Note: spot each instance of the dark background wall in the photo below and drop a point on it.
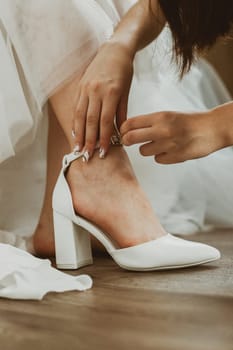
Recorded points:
(221, 56)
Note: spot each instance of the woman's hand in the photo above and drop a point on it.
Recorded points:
(103, 91)
(173, 137)
(102, 95)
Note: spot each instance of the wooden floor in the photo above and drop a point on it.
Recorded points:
(188, 309)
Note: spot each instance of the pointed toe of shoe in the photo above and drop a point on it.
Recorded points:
(208, 253)
(167, 252)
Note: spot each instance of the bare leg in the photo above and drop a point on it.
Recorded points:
(43, 239)
(57, 147)
(106, 191)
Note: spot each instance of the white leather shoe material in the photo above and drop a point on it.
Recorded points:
(73, 248)
(165, 252)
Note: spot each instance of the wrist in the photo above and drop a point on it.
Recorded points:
(223, 116)
(113, 45)
(139, 27)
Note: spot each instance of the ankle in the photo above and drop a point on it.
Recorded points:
(43, 239)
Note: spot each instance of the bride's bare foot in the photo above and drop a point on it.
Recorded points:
(107, 193)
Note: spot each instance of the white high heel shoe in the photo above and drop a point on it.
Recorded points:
(73, 247)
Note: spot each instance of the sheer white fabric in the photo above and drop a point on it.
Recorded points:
(42, 45)
(35, 28)
(22, 276)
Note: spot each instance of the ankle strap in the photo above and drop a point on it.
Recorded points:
(69, 158)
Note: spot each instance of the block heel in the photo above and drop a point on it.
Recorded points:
(73, 244)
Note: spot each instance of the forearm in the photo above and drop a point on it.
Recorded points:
(223, 115)
(139, 27)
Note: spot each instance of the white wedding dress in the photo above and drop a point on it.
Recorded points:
(42, 45)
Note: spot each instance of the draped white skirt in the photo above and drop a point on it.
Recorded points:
(45, 43)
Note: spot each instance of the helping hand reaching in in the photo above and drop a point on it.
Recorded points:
(173, 137)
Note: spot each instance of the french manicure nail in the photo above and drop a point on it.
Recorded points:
(102, 153)
(77, 149)
(86, 157)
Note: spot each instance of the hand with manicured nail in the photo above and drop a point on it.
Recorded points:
(102, 92)
(173, 137)
(102, 95)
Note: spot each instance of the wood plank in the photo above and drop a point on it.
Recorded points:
(185, 310)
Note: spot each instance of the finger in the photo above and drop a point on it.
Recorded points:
(138, 136)
(156, 148)
(143, 121)
(121, 114)
(107, 124)
(170, 158)
(79, 122)
(92, 124)
(75, 106)
(180, 155)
